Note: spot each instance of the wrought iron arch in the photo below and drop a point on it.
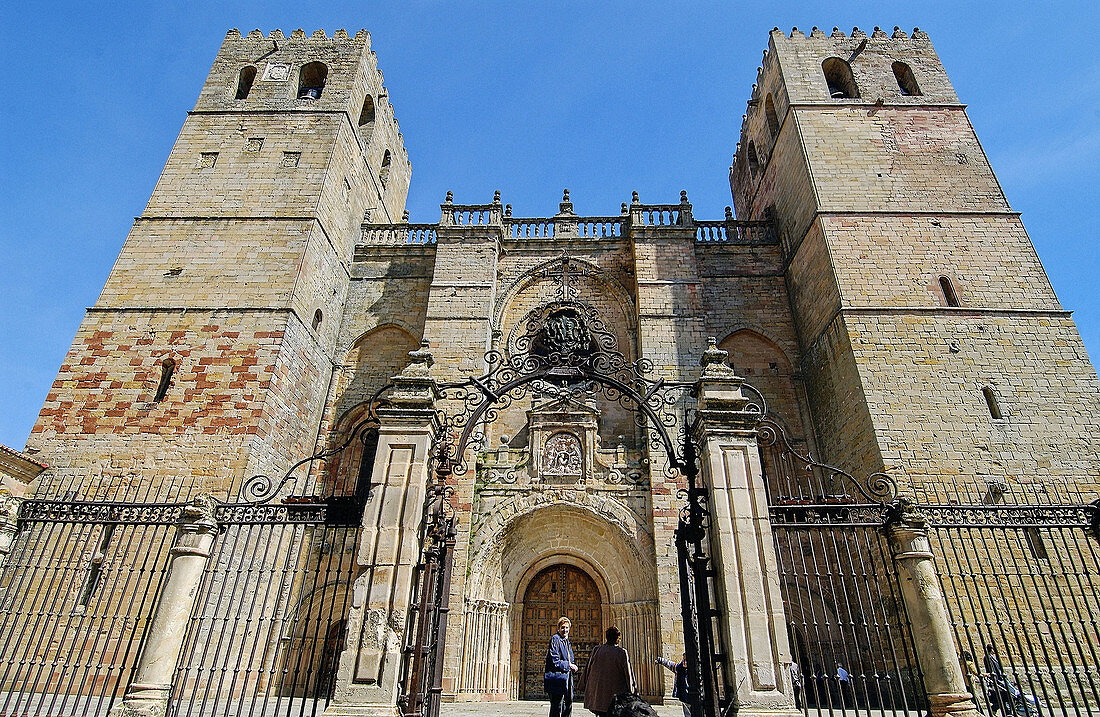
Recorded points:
(563, 349)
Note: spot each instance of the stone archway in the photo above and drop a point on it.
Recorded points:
(514, 540)
(559, 590)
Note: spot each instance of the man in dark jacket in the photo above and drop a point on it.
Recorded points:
(558, 680)
(607, 674)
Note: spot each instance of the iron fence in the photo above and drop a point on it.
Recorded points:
(269, 625)
(80, 585)
(1022, 585)
(851, 641)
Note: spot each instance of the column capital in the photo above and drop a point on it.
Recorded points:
(415, 388)
(907, 528)
(722, 402)
(195, 524)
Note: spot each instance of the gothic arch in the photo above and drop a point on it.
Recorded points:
(393, 323)
(370, 362)
(758, 333)
(765, 365)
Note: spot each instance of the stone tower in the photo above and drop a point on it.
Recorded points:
(932, 343)
(209, 354)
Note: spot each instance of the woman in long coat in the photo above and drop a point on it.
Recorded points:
(607, 674)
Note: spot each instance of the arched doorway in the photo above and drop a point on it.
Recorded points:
(556, 591)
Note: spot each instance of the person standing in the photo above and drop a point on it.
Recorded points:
(796, 683)
(680, 689)
(972, 677)
(558, 680)
(607, 674)
(844, 686)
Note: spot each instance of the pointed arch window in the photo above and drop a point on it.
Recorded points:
(907, 83)
(244, 82)
(838, 76)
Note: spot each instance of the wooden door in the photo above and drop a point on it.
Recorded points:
(560, 590)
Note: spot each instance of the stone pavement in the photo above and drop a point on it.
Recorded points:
(533, 708)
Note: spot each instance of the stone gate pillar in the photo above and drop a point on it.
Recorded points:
(924, 604)
(148, 693)
(9, 523)
(743, 551)
(369, 670)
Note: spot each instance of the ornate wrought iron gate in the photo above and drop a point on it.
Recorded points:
(1023, 587)
(851, 642)
(426, 632)
(81, 584)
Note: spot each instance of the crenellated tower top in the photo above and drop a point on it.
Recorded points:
(337, 73)
(836, 69)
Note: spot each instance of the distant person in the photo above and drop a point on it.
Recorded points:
(607, 674)
(680, 688)
(993, 662)
(971, 675)
(558, 680)
(844, 684)
(796, 684)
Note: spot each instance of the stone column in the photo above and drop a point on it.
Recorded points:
(9, 522)
(742, 547)
(369, 672)
(151, 688)
(930, 626)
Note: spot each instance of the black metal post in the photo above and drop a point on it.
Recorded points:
(695, 573)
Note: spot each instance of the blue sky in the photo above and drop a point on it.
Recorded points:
(602, 98)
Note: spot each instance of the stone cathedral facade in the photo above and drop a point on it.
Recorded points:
(871, 281)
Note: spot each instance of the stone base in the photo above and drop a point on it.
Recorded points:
(140, 708)
(952, 705)
(365, 710)
(769, 712)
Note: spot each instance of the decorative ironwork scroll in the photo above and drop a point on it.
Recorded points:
(564, 350)
(422, 669)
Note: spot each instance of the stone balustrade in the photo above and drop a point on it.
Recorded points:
(727, 231)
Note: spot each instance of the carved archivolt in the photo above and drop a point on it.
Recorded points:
(581, 272)
(579, 514)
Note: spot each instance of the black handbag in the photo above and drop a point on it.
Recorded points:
(630, 704)
(555, 683)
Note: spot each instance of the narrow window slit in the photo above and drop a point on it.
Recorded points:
(167, 368)
(95, 568)
(991, 403)
(949, 295)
